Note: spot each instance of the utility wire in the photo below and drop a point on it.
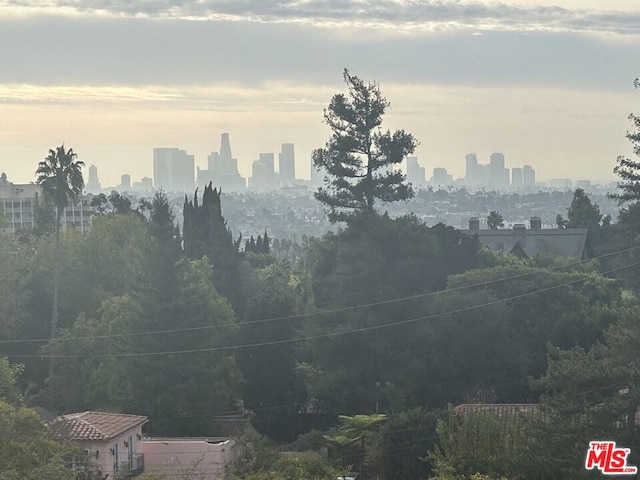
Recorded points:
(331, 334)
(327, 311)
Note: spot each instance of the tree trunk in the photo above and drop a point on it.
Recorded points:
(56, 282)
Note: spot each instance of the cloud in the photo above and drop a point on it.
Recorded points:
(59, 51)
(396, 15)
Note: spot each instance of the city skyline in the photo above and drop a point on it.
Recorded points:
(223, 173)
(548, 83)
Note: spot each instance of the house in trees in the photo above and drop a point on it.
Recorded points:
(111, 442)
(113, 445)
(174, 458)
(527, 242)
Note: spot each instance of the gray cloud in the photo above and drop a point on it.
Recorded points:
(407, 14)
(99, 51)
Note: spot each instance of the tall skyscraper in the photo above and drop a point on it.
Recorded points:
(415, 173)
(287, 165)
(441, 177)
(516, 177)
(528, 176)
(263, 176)
(499, 175)
(125, 182)
(225, 148)
(222, 169)
(472, 175)
(93, 184)
(173, 170)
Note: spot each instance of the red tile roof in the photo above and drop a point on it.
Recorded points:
(96, 426)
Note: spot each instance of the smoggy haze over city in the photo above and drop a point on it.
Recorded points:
(548, 83)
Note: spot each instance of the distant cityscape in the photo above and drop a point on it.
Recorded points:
(283, 203)
(174, 170)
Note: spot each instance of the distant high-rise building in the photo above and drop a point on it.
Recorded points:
(498, 174)
(125, 182)
(441, 177)
(528, 176)
(472, 175)
(287, 165)
(415, 173)
(222, 169)
(173, 170)
(263, 175)
(145, 184)
(516, 177)
(93, 184)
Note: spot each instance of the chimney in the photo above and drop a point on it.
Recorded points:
(474, 224)
(536, 223)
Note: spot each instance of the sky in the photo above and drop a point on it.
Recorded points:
(549, 83)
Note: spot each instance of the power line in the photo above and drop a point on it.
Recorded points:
(322, 312)
(331, 334)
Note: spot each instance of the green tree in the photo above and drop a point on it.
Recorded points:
(359, 158)
(565, 307)
(561, 222)
(120, 204)
(627, 169)
(162, 226)
(205, 232)
(25, 451)
(590, 393)
(479, 445)
(269, 370)
(381, 259)
(407, 434)
(60, 177)
(582, 213)
(363, 430)
(260, 461)
(100, 204)
(495, 220)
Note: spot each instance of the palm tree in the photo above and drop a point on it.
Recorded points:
(60, 176)
(355, 429)
(495, 220)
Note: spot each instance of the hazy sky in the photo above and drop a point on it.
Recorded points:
(549, 83)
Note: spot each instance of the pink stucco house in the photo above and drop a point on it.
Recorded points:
(174, 458)
(110, 441)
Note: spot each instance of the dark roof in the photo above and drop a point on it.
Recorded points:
(233, 426)
(505, 412)
(93, 426)
(44, 415)
(566, 242)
